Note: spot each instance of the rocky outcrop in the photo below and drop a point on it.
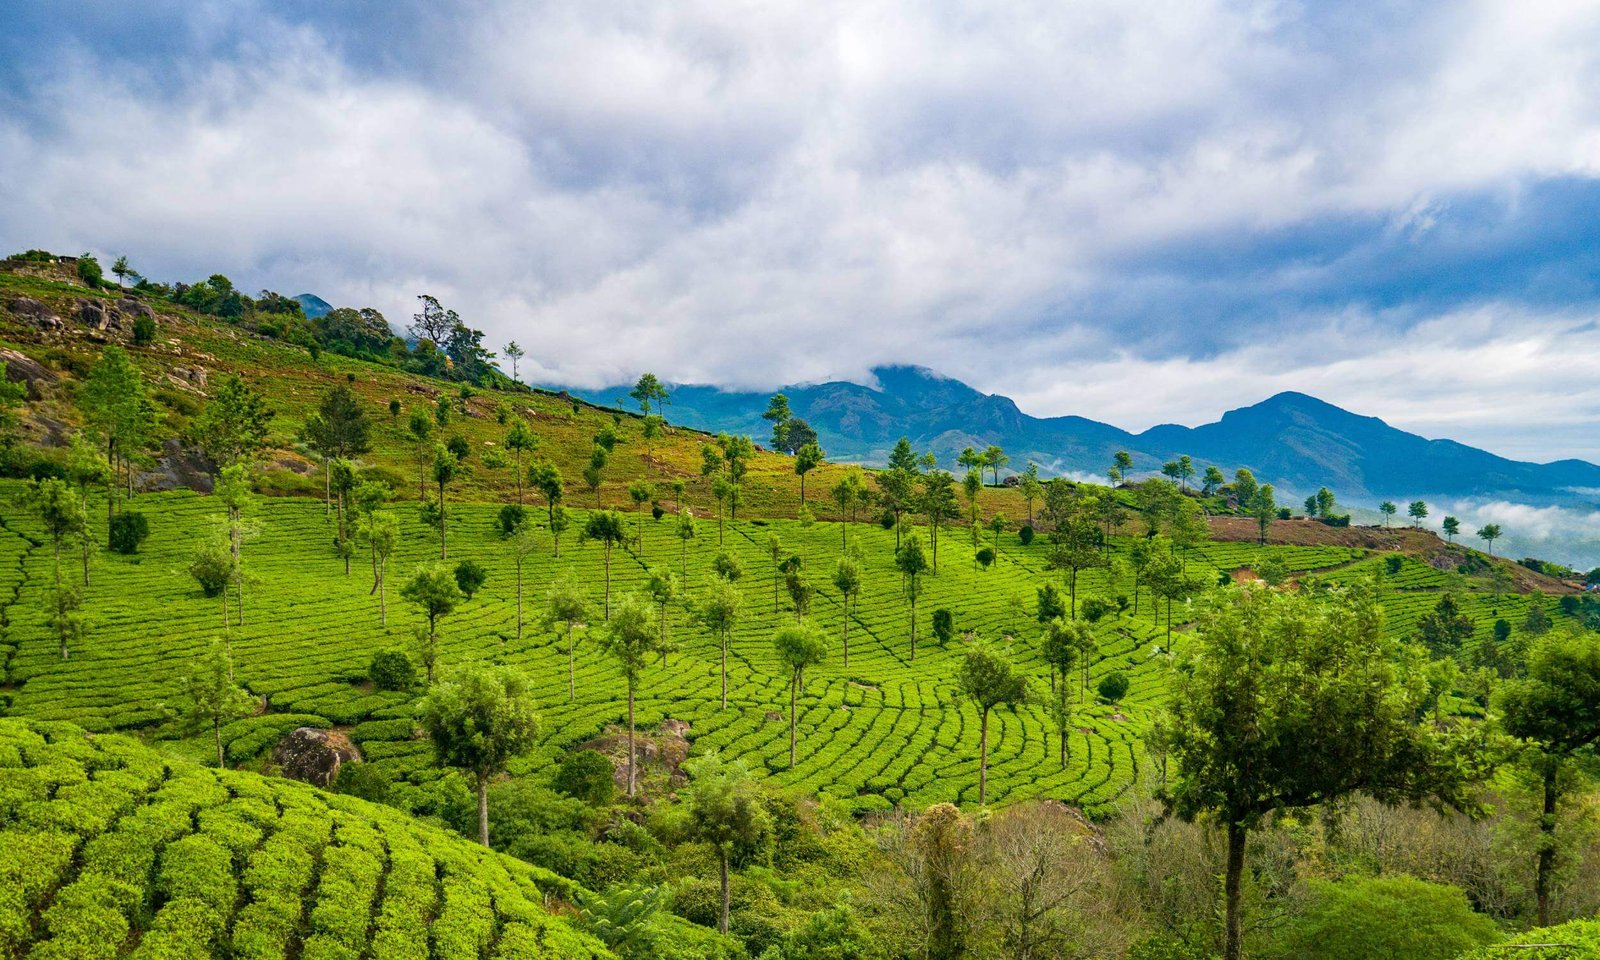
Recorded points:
(21, 368)
(314, 756)
(33, 312)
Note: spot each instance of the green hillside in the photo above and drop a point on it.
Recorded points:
(121, 840)
(110, 849)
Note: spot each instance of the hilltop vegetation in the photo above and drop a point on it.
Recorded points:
(914, 715)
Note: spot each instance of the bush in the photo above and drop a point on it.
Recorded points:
(1096, 609)
(1025, 534)
(470, 575)
(511, 517)
(1392, 564)
(363, 780)
(944, 626)
(985, 557)
(1113, 686)
(588, 776)
(89, 272)
(212, 568)
(656, 512)
(886, 520)
(1396, 917)
(1284, 513)
(144, 330)
(47, 470)
(392, 669)
(128, 531)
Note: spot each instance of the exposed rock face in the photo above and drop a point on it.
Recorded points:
(661, 752)
(23, 369)
(314, 756)
(93, 314)
(34, 312)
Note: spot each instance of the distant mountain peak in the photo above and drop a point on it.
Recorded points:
(313, 305)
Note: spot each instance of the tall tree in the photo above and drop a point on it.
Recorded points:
(118, 410)
(1555, 712)
(1064, 643)
(606, 527)
(522, 544)
(912, 561)
(213, 699)
(1212, 479)
(726, 811)
(514, 352)
(60, 510)
(845, 495)
(445, 467)
(778, 414)
(520, 440)
(544, 477)
(478, 721)
(630, 638)
(567, 604)
(686, 530)
(341, 428)
(806, 459)
(1074, 535)
(1418, 512)
(434, 590)
(1285, 701)
(421, 429)
(989, 680)
(1031, 488)
(847, 580)
(1263, 507)
(798, 647)
(233, 426)
(663, 588)
(640, 492)
(994, 458)
(234, 489)
(1452, 527)
(1489, 533)
(718, 612)
(1387, 508)
(381, 530)
(649, 391)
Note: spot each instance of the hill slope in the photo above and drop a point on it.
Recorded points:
(1295, 441)
(108, 849)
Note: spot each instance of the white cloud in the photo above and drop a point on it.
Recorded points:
(762, 194)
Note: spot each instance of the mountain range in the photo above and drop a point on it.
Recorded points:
(1295, 441)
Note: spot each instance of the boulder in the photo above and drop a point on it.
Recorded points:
(35, 313)
(23, 369)
(93, 314)
(314, 756)
(130, 308)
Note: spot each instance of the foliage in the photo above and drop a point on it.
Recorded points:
(392, 669)
(588, 776)
(1113, 686)
(128, 530)
(1396, 917)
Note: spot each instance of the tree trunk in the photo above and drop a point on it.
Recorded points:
(1547, 844)
(216, 731)
(794, 682)
(1233, 937)
(633, 756)
(722, 919)
(608, 580)
(85, 548)
(913, 625)
(724, 669)
(519, 598)
(1066, 722)
(845, 639)
(572, 667)
(443, 555)
(983, 759)
(483, 808)
(383, 602)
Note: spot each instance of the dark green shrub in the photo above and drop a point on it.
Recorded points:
(1096, 609)
(128, 531)
(1113, 686)
(1025, 534)
(392, 670)
(47, 470)
(470, 575)
(985, 557)
(511, 517)
(144, 330)
(394, 407)
(887, 520)
(1284, 513)
(1392, 564)
(89, 272)
(1051, 603)
(944, 625)
(588, 776)
(362, 780)
(656, 511)
(458, 447)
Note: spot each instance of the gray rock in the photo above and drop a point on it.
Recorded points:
(34, 312)
(314, 756)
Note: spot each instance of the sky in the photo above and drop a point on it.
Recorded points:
(1140, 213)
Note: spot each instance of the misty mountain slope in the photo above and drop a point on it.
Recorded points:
(1293, 440)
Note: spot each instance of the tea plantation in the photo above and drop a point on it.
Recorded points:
(882, 730)
(109, 849)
